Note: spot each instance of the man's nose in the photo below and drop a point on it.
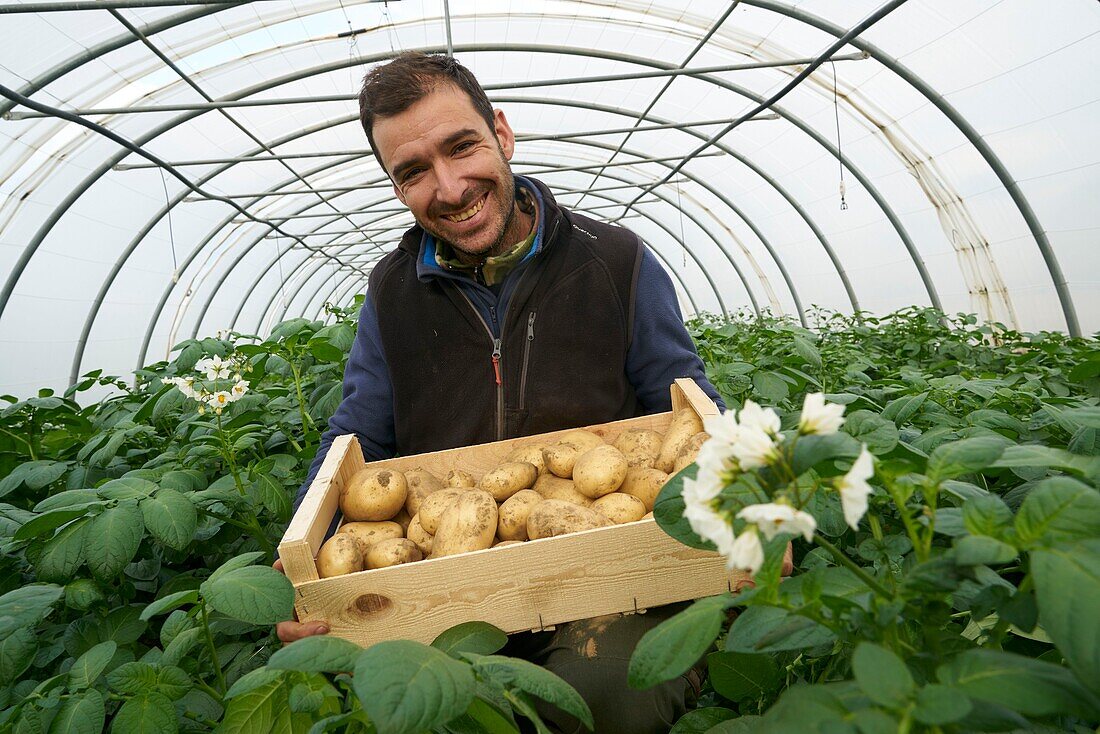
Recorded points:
(450, 185)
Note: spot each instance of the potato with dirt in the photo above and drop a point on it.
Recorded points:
(340, 554)
(459, 478)
(644, 483)
(369, 533)
(373, 495)
(552, 487)
(685, 424)
(509, 478)
(432, 508)
(640, 446)
(690, 451)
(512, 516)
(532, 454)
(421, 484)
(619, 508)
(599, 471)
(393, 552)
(469, 524)
(417, 534)
(551, 518)
(561, 456)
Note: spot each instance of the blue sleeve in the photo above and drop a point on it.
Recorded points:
(661, 349)
(367, 406)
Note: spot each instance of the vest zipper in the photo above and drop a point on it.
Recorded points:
(526, 358)
(496, 364)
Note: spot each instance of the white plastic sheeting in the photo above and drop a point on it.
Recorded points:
(108, 268)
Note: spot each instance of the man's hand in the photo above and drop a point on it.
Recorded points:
(292, 630)
(788, 560)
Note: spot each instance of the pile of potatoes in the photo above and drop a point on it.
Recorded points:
(579, 482)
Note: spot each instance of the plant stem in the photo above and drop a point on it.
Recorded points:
(205, 687)
(213, 650)
(843, 559)
(307, 422)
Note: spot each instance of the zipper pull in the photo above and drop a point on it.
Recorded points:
(531, 327)
(496, 359)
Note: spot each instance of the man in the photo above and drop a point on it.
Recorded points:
(502, 314)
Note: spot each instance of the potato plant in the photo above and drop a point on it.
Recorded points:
(136, 592)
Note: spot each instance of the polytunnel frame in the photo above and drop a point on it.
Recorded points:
(1019, 199)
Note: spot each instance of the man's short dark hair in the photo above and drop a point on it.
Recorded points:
(392, 88)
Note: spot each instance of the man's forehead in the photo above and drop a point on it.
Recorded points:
(438, 118)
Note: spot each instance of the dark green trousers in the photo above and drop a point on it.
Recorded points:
(592, 655)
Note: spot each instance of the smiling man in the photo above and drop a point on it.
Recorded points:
(503, 314)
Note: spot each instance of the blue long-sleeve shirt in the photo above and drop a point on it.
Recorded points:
(660, 351)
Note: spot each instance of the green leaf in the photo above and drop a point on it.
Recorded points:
(244, 559)
(48, 521)
(1047, 457)
(949, 460)
(676, 644)
(902, 409)
(770, 387)
(261, 710)
(181, 645)
(987, 515)
(1059, 509)
(34, 474)
(981, 550)
(803, 348)
(880, 435)
(809, 451)
(535, 680)
(882, 675)
(771, 629)
(317, 654)
(112, 540)
(80, 714)
(170, 602)
(1019, 683)
(700, 721)
(170, 517)
(406, 687)
(1067, 585)
(26, 605)
(139, 679)
(16, 654)
(740, 676)
(938, 705)
(272, 495)
(151, 713)
(127, 488)
(63, 554)
(256, 594)
(254, 679)
(476, 637)
(668, 510)
(69, 499)
(89, 666)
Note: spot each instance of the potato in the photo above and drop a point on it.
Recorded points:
(509, 478)
(685, 424)
(432, 509)
(469, 524)
(640, 446)
(459, 478)
(373, 495)
(369, 533)
(340, 554)
(648, 516)
(532, 454)
(644, 483)
(561, 456)
(421, 483)
(417, 534)
(403, 519)
(599, 471)
(551, 518)
(619, 508)
(392, 552)
(555, 488)
(507, 542)
(690, 451)
(512, 516)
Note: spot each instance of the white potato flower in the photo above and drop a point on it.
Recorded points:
(708, 524)
(240, 388)
(722, 428)
(774, 518)
(754, 448)
(219, 400)
(214, 368)
(701, 489)
(819, 417)
(763, 419)
(746, 552)
(854, 489)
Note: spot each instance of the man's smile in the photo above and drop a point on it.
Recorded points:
(464, 215)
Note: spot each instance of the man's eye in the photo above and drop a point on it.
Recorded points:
(411, 174)
(461, 147)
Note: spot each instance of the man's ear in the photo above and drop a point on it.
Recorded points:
(505, 136)
(399, 195)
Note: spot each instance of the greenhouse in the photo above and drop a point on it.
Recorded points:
(725, 366)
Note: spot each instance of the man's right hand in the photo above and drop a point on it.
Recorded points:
(292, 630)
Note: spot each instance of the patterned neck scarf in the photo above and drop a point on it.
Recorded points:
(494, 269)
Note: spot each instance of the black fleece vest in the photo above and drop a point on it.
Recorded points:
(563, 348)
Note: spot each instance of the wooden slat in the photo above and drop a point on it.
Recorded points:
(298, 561)
(687, 393)
(519, 587)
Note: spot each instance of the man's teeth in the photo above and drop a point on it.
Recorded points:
(463, 216)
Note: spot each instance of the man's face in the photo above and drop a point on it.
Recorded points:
(452, 171)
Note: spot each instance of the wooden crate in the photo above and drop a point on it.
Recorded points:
(528, 586)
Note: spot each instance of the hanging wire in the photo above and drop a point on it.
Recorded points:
(171, 233)
(680, 209)
(839, 150)
(282, 278)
